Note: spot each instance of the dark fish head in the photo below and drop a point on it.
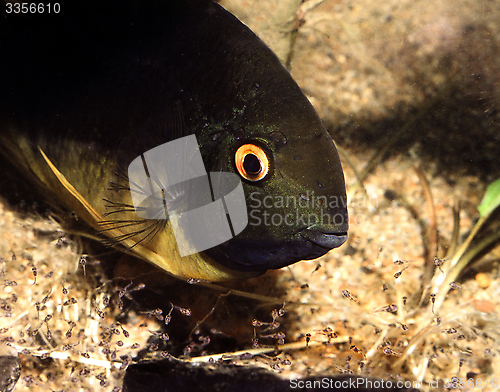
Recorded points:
(292, 180)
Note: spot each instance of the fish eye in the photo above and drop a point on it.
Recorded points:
(252, 162)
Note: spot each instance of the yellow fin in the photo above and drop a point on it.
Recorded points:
(197, 267)
(71, 189)
(93, 217)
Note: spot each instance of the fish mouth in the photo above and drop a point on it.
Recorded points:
(327, 238)
(258, 256)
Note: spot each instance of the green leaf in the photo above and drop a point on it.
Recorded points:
(491, 199)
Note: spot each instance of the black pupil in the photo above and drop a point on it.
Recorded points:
(251, 164)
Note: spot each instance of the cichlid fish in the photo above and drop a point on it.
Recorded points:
(86, 90)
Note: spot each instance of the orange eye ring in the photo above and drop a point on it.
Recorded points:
(252, 162)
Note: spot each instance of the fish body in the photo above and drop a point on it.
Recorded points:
(86, 91)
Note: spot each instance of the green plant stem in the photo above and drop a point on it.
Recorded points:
(462, 248)
(456, 231)
(455, 271)
(438, 281)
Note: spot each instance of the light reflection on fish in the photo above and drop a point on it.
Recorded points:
(86, 91)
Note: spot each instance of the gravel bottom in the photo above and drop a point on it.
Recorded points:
(416, 83)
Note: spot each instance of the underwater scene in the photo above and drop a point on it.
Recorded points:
(250, 195)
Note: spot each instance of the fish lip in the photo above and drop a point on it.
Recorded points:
(327, 238)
